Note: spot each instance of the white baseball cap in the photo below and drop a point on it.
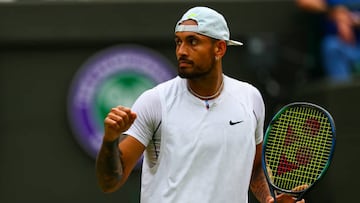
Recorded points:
(209, 23)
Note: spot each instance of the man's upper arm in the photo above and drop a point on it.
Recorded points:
(131, 151)
(258, 156)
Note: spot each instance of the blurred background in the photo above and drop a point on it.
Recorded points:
(43, 45)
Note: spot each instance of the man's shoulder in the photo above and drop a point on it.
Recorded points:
(239, 84)
(170, 82)
(171, 88)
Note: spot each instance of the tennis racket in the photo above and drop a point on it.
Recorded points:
(298, 147)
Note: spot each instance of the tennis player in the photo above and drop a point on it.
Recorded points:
(201, 132)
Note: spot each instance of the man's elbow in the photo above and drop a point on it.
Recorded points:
(110, 184)
(109, 188)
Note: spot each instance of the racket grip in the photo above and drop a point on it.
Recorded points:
(273, 194)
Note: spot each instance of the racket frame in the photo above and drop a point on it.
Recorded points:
(298, 194)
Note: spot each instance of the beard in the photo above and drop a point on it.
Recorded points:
(196, 72)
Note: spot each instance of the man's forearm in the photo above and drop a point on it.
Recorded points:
(109, 169)
(259, 186)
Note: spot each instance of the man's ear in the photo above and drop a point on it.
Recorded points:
(220, 48)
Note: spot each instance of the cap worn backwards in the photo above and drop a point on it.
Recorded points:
(209, 23)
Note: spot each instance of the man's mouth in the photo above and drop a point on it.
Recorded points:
(184, 62)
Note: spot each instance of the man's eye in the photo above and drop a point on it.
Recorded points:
(193, 41)
(177, 42)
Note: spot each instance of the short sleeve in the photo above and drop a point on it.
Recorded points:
(148, 110)
(259, 112)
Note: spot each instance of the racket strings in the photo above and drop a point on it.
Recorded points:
(298, 147)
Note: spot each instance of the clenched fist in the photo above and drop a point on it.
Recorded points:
(118, 120)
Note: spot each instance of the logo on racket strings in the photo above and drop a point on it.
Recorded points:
(303, 153)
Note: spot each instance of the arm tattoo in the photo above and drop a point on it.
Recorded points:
(259, 186)
(109, 166)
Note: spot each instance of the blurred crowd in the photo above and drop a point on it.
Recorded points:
(340, 36)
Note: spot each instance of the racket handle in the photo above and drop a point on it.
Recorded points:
(300, 197)
(273, 194)
(275, 201)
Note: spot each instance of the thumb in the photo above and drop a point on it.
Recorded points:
(133, 116)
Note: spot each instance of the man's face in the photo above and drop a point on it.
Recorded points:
(195, 53)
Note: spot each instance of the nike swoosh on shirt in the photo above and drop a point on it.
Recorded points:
(234, 123)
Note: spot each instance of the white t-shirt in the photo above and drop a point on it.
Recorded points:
(196, 154)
